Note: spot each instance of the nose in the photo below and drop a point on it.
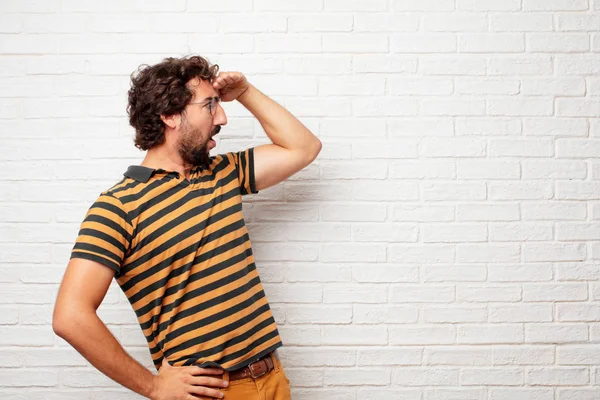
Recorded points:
(220, 117)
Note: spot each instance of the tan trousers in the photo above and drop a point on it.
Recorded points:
(272, 386)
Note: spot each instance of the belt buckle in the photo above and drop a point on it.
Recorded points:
(252, 371)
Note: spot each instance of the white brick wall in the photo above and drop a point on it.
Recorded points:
(445, 245)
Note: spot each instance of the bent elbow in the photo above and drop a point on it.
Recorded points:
(315, 149)
(61, 321)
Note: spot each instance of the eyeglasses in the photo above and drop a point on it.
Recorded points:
(212, 104)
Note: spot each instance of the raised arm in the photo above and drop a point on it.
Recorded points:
(294, 146)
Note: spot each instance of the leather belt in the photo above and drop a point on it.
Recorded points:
(255, 369)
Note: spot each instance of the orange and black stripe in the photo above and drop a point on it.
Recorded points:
(182, 256)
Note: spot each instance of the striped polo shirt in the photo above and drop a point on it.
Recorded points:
(182, 256)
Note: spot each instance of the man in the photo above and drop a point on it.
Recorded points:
(172, 234)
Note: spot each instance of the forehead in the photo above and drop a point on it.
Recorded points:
(201, 88)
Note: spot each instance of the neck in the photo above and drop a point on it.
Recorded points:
(157, 158)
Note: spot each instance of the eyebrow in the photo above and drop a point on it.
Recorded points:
(213, 97)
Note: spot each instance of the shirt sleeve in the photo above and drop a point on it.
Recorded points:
(105, 233)
(244, 164)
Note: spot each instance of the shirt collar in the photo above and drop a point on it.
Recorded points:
(140, 173)
(143, 174)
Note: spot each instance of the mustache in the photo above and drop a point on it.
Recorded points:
(216, 130)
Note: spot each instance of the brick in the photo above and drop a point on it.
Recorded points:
(491, 376)
(318, 314)
(299, 272)
(455, 22)
(357, 376)
(353, 127)
(523, 22)
(453, 191)
(578, 190)
(354, 43)
(433, 233)
(388, 150)
(377, 314)
(406, 376)
(273, 5)
(488, 5)
(419, 253)
(354, 335)
(555, 5)
(577, 231)
(491, 43)
(457, 65)
(529, 190)
(512, 107)
(557, 43)
(419, 86)
(484, 334)
(556, 210)
(577, 65)
(577, 354)
(423, 5)
(533, 169)
(577, 107)
(385, 22)
(301, 357)
(384, 273)
(494, 293)
(389, 356)
(454, 314)
(349, 86)
(551, 333)
(356, 5)
(555, 127)
(460, 273)
(356, 293)
(561, 376)
(487, 86)
(577, 271)
(380, 106)
(521, 394)
(384, 63)
(521, 148)
(383, 233)
(520, 65)
(423, 334)
(520, 273)
(576, 22)
(422, 43)
(553, 87)
(457, 355)
(285, 43)
(577, 312)
(420, 294)
(356, 212)
(487, 252)
(578, 148)
(422, 170)
(523, 355)
(452, 107)
(486, 212)
(509, 232)
(579, 394)
(553, 251)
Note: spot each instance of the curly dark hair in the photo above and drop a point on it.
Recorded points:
(161, 89)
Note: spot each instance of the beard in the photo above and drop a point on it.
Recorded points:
(193, 147)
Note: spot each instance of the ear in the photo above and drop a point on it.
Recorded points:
(171, 121)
